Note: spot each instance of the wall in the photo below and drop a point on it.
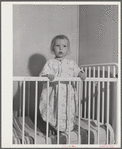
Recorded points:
(98, 34)
(98, 42)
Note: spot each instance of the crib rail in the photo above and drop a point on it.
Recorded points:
(107, 70)
(23, 80)
(89, 80)
(101, 64)
(64, 79)
(103, 74)
(98, 83)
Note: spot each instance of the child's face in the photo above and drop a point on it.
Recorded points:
(61, 48)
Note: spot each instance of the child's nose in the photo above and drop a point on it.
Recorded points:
(61, 47)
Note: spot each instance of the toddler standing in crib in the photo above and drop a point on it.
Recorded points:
(60, 66)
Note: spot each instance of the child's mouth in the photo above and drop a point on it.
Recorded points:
(60, 52)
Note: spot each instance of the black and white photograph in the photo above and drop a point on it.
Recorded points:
(61, 70)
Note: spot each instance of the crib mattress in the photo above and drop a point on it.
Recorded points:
(63, 137)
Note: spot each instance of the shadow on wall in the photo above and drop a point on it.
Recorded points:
(35, 65)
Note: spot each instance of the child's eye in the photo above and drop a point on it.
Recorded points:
(64, 45)
(57, 45)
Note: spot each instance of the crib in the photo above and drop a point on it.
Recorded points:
(93, 118)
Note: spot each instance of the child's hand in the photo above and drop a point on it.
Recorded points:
(82, 75)
(50, 77)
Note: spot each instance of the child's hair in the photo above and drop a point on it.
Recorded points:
(58, 37)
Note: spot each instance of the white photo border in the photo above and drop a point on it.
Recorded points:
(7, 73)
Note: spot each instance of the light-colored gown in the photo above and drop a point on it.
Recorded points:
(65, 68)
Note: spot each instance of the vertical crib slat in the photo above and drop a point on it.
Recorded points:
(90, 84)
(103, 93)
(108, 96)
(58, 111)
(89, 72)
(20, 105)
(93, 115)
(85, 94)
(28, 97)
(114, 71)
(80, 95)
(23, 115)
(98, 111)
(89, 105)
(36, 94)
(69, 112)
(98, 71)
(98, 105)
(81, 98)
(47, 126)
(79, 112)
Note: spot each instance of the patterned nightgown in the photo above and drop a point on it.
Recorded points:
(65, 68)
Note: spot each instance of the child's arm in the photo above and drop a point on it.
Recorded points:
(82, 75)
(49, 76)
(46, 72)
(78, 72)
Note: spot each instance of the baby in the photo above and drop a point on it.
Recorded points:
(60, 66)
